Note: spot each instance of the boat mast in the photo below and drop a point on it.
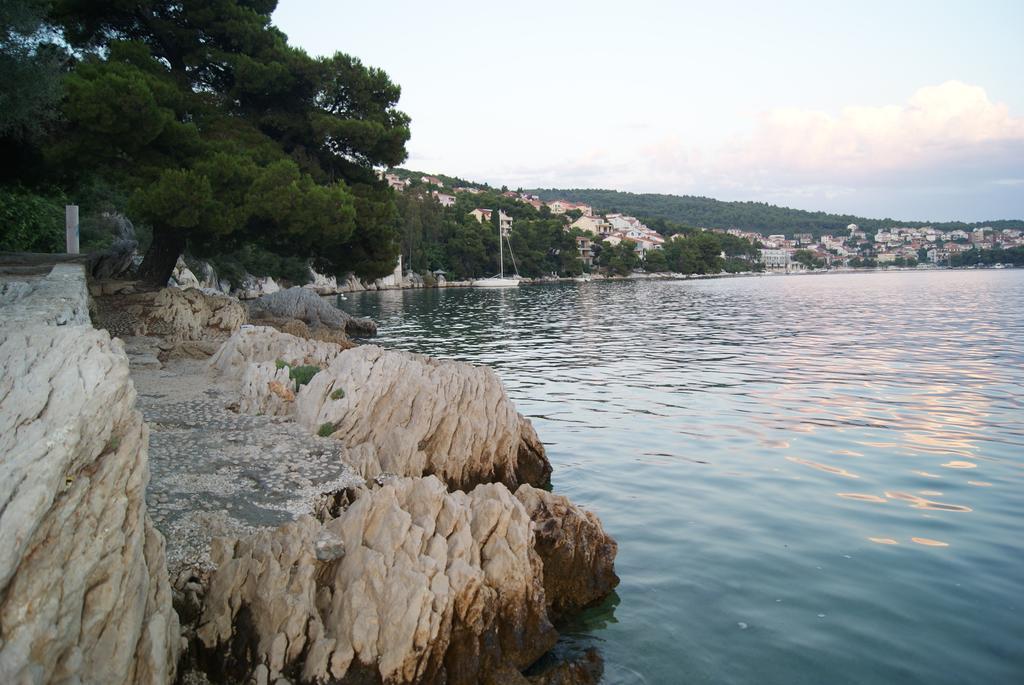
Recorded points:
(501, 250)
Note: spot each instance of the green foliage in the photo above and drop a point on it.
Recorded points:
(655, 261)
(30, 72)
(224, 137)
(337, 394)
(326, 430)
(259, 261)
(302, 375)
(689, 210)
(619, 260)
(975, 257)
(807, 258)
(280, 364)
(543, 247)
(31, 222)
(696, 253)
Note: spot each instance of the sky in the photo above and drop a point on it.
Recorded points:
(902, 109)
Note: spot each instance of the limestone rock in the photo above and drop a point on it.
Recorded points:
(172, 314)
(84, 595)
(423, 416)
(322, 284)
(255, 344)
(253, 287)
(194, 315)
(299, 329)
(58, 299)
(305, 305)
(267, 390)
(411, 584)
(115, 261)
(182, 276)
(579, 557)
(397, 412)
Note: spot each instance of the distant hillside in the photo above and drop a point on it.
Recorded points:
(750, 216)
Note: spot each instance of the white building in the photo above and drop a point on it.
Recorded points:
(444, 199)
(775, 260)
(595, 225)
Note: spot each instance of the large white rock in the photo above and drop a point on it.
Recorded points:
(424, 416)
(255, 286)
(397, 412)
(84, 594)
(177, 315)
(255, 344)
(411, 584)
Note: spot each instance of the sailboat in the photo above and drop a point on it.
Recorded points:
(500, 281)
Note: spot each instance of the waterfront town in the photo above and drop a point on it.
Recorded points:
(896, 246)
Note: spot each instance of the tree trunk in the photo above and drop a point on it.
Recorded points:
(161, 257)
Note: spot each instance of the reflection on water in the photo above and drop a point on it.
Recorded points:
(710, 425)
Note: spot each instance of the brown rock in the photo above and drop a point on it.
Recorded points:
(172, 314)
(579, 557)
(411, 584)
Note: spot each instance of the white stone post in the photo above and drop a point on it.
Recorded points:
(71, 228)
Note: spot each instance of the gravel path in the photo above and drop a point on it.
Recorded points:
(216, 472)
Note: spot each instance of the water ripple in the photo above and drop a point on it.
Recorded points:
(710, 425)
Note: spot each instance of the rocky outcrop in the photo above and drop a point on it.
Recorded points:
(172, 314)
(57, 298)
(321, 333)
(114, 262)
(411, 584)
(423, 416)
(578, 556)
(253, 287)
(84, 594)
(397, 412)
(322, 284)
(308, 307)
(255, 344)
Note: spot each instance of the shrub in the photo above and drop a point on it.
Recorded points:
(338, 394)
(326, 429)
(303, 374)
(280, 364)
(30, 222)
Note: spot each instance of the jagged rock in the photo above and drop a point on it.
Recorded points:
(58, 299)
(308, 307)
(421, 585)
(175, 315)
(182, 276)
(255, 344)
(300, 330)
(114, 262)
(397, 412)
(579, 557)
(253, 287)
(187, 349)
(84, 595)
(322, 284)
(423, 416)
(585, 668)
(267, 390)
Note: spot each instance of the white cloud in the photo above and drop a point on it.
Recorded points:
(939, 125)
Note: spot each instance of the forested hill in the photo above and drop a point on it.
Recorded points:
(751, 216)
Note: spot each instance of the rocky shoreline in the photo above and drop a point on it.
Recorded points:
(332, 513)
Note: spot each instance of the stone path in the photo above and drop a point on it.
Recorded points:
(216, 472)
